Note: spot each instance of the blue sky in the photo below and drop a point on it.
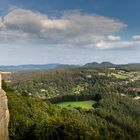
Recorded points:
(69, 31)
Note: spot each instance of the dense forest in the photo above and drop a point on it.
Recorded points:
(79, 81)
(112, 117)
(115, 115)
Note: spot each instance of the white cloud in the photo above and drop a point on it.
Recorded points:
(1, 23)
(103, 44)
(136, 37)
(131, 43)
(114, 38)
(70, 28)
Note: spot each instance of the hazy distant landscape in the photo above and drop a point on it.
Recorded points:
(34, 67)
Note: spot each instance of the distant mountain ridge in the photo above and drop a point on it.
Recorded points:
(35, 67)
(131, 66)
(29, 67)
(100, 65)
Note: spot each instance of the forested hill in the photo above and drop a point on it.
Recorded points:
(113, 117)
(128, 67)
(100, 65)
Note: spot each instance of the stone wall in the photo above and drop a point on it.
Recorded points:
(4, 116)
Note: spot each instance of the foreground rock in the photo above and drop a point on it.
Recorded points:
(4, 116)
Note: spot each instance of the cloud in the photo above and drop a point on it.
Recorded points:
(71, 28)
(103, 44)
(136, 37)
(114, 38)
(31, 22)
(1, 23)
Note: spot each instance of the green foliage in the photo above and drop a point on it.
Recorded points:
(59, 83)
(113, 118)
(33, 119)
(5, 87)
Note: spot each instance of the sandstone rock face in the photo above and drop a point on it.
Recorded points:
(4, 116)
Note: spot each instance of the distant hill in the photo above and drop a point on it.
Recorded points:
(100, 65)
(132, 66)
(29, 67)
(34, 67)
(103, 65)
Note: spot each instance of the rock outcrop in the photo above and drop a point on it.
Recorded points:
(4, 116)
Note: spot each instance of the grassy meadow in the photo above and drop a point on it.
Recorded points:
(75, 104)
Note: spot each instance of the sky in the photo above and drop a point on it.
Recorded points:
(69, 31)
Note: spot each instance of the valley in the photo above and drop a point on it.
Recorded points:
(69, 69)
(75, 81)
(73, 103)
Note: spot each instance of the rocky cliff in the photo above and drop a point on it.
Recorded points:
(4, 116)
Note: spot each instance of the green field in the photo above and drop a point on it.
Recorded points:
(82, 104)
(121, 76)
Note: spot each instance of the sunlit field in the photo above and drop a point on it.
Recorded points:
(78, 104)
